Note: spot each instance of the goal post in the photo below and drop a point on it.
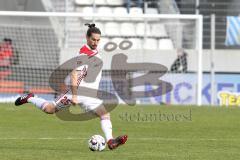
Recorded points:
(40, 46)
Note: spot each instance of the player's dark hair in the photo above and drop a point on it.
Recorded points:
(9, 40)
(92, 29)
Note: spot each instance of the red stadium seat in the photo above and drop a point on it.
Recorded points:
(4, 74)
(11, 87)
(41, 90)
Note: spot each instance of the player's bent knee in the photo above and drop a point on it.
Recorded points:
(105, 116)
(101, 111)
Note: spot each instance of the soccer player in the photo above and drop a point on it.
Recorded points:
(72, 96)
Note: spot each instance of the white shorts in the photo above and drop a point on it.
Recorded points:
(86, 103)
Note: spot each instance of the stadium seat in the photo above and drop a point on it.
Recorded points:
(105, 10)
(83, 2)
(137, 43)
(5, 74)
(127, 29)
(136, 11)
(101, 26)
(165, 44)
(115, 2)
(150, 43)
(87, 10)
(158, 30)
(11, 87)
(140, 29)
(112, 29)
(151, 11)
(100, 2)
(41, 90)
(120, 11)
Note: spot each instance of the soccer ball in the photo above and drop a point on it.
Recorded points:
(96, 143)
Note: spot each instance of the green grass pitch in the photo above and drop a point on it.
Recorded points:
(155, 132)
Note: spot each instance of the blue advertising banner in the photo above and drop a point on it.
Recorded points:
(185, 89)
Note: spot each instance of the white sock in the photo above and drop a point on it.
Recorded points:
(38, 102)
(106, 125)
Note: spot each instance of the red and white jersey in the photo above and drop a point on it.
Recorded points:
(90, 63)
(94, 64)
(88, 51)
(92, 58)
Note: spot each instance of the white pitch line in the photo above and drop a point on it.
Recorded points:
(145, 139)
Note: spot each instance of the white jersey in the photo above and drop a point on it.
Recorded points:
(84, 72)
(85, 69)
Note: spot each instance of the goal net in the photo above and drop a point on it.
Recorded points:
(168, 47)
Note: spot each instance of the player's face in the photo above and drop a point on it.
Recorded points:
(93, 40)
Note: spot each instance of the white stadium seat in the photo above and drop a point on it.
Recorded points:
(150, 43)
(105, 10)
(140, 29)
(158, 30)
(136, 11)
(120, 11)
(115, 2)
(165, 44)
(127, 29)
(84, 2)
(100, 2)
(87, 10)
(101, 27)
(151, 11)
(137, 43)
(112, 29)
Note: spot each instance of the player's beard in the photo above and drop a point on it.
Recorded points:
(94, 47)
